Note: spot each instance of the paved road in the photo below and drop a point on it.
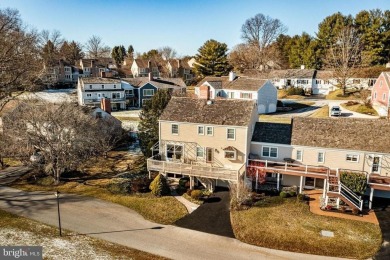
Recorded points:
(121, 225)
(347, 113)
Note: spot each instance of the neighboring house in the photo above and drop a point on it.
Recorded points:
(302, 78)
(380, 94)
(205, 139)
(232, 87)
(146, 87)
(95, 67)
(312, 152)
(142, 67)
(90, 91)
(180, 68)
(60, 73)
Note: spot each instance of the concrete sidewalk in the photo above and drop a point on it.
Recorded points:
(123, 226)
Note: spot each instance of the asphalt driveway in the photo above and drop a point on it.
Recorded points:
(211, 217)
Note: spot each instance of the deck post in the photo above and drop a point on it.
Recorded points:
(191, 182)
(324, 191)
(150, 175)
(266, 163)
(371, 198)
(301, 185)
(278, 182)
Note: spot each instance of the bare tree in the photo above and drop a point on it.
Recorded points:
(261, 31)
(19, 55)
(64, 135)
(167, 52)
(55, 37)
(343, 56)
(96, 48)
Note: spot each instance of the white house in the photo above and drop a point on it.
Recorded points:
(91, 90)
(232, 87)
(302, 78)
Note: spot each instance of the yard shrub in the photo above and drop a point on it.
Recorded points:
(184, 182)
(295, 91)
(196, 194)
(159, 186)
(355, 181)
(301, 197)
(119, 186)
(46, 181)
(292, 193)
(283, 194)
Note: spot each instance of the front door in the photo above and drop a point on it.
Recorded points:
(310, 183)
(375, 164)
(209, 154)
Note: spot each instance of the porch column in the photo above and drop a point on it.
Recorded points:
(324, 191)
(278, 182)
(301, 185)
(371, 198)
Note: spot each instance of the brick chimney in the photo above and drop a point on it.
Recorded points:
(105, 105)
(204, 92)
(102, 74)
(150, 65)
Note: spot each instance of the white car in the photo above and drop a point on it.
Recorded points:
(335, 111)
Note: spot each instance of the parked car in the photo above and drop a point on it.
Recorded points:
(335, 111)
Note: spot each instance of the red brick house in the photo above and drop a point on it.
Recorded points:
(381, 93)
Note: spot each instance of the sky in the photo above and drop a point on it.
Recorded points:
(183, 25)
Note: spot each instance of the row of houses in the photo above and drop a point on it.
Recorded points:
(220, 142)
(63, 73)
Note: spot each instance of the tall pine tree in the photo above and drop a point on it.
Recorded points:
(212, 59)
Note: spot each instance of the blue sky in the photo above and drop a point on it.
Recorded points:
(182, 24)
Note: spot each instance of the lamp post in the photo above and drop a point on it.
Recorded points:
(57, 194)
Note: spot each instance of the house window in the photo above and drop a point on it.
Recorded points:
(273, 175)
(210, 130)
(318, 81)
(246, 95)
(129, 92)
(148, 92)
(356, 81)
(175, 129)
(231, 94)
(352, 158)
(380, 83)
(89, 95)
(320, 157)
(116, 95)
(326, 81)
(231, 134)
(384, 97)
(114, 86)
(102, 86)
(231, 155)
(299, 155)
(270, 152)
(200, 130)
(90, 86)
(199, 152)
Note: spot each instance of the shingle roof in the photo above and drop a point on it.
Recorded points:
(143, 63)
(342, 133)
(222, 80)
(101, 62)
(272, 133)
(292, 74)
(157, 82)
(96, 80)
(220, 112)
(245, 83)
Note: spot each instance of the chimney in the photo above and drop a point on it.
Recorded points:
(105, 105)
(102, 74)
(204, 92)
(150, 76)
(178, 63)
(232, 75)
(302, 67)
(150, 65)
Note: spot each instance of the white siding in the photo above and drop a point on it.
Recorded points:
(267, 98)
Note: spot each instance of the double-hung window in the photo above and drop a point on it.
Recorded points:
(209, 130)
(148, 92)
(199, 152)
(270, 152)
(299, 155)
(231, 134)
(175, 129)
(321, 157)
(352, 158)
(200, 130)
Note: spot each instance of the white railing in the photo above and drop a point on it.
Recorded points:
(192, 170)
(351, 196)
(286, 167)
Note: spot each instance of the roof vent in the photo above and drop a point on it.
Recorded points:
(209, 102)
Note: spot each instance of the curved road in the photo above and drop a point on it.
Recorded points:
(123, 226)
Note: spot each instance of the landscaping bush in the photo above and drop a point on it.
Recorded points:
(292, 193)
(295, 91)
(188, 192)
(140, 184)
(301, 197)
(355, 181)
(159, 186)
(46, 181)
(196, 194)
(184, 182)
(119, 186)
(181, 190)
(284, 194)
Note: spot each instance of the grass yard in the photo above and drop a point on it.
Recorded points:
(163, 210)
(274, 119)
(15, 230)
(282, 94)
(322, 112)
(361, 108)
(289, 225)
(338, 95)
(128, 118)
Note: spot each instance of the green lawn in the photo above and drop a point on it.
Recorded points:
(16, 230)
(338, 95)
(291, 226)
(361, 108)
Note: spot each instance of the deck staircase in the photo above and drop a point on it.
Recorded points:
(337, 191)
(207, 183)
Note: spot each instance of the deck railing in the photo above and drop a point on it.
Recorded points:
(192, 169)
